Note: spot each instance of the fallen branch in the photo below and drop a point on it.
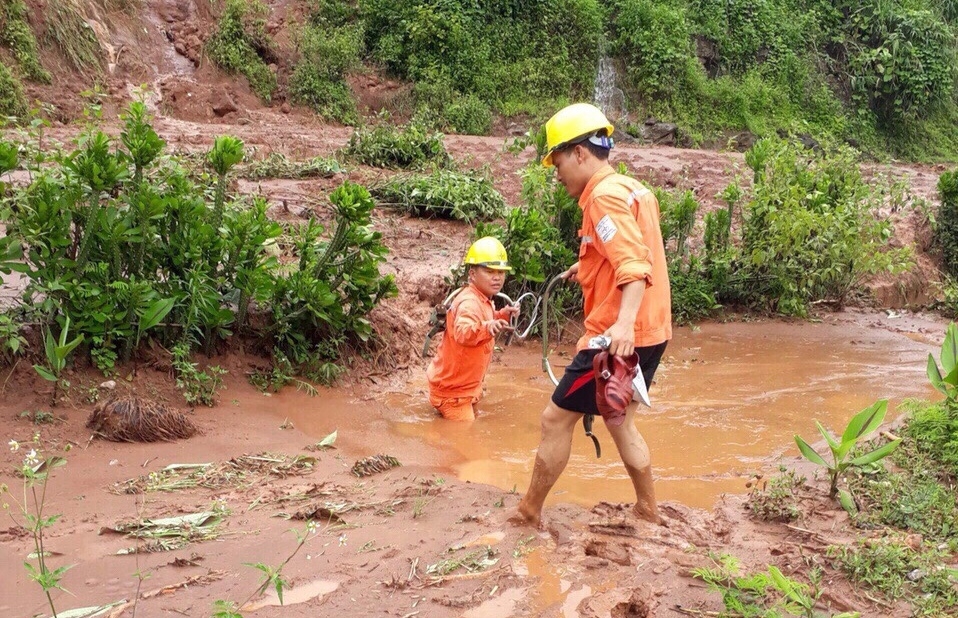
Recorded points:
(202, 580)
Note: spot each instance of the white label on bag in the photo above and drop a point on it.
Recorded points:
(606, 229)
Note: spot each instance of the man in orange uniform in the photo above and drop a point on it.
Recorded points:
(456, 373)
(625, 286)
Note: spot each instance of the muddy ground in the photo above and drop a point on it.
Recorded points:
(411, 540)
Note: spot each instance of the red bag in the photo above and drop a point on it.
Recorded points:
(613, 385)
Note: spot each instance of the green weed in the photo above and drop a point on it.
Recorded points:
(241, 44)
(916, 496)
(31, 507)
(768, 593)
(777, 499)
(198, 386)
(900, 571)
(67, 29)
(12, 100)
(860, 425)
(57, 351)
(447, 194)
(16, 35)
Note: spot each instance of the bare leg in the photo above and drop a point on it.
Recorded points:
(638, 463)
(555, 446)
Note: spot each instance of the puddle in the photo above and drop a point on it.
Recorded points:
(557, 587)
(292, 596)
(727, 399)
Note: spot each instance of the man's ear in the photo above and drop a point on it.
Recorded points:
(580, 153)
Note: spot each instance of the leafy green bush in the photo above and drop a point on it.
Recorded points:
(336, 283)
(327, 54)
(12, 100)
(386, 145)
(241, 44)
(904, 61)
(809, 231)
(441, 107)
(16, 35)
(121, 241)
(516, 57)
(946, 230)
(655, 39)
(444, 193)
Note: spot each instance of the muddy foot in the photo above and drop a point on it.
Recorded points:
(521, 518)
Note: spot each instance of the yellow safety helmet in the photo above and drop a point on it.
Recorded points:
(574, 124)
(488, 252)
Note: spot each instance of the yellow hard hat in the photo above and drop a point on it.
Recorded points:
(488, 252)
(573, 124)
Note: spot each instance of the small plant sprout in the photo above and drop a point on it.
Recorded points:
(859, 426)
(56, 356)
(272, 576)
(35, 472)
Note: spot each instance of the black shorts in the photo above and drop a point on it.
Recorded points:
(576, 389)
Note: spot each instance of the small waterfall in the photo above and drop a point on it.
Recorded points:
(607, 96)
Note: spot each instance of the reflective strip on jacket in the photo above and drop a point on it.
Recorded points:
(621, 242)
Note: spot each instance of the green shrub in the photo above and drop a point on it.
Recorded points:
(385, 145)
(905, 60)
(12, 100)
(327, 54)
(656, 41)
(241, 44)
(444, 193)
(809, 231)
(121, 241)
(946, 231)
(514, 57)
(441, 107)
(16, 35)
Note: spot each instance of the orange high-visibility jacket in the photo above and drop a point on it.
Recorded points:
(466, 347)
(621, 242)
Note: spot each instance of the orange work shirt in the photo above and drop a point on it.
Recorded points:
(621, 242)
(465, 350)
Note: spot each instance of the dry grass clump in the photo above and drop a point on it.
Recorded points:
(134, 419)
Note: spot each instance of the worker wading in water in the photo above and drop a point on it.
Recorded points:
(457, 371)
(625, 287)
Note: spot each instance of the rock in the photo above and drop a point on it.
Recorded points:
(109, 385)
(285, 108)
(660, 133)
(222, 103)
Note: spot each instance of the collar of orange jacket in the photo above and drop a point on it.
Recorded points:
(601, 174)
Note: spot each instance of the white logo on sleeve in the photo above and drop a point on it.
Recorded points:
(606, 229)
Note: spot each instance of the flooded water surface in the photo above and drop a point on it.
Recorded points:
(726, 401)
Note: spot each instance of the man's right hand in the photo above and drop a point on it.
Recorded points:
(572, 274)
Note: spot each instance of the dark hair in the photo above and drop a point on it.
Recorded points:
(602, 154)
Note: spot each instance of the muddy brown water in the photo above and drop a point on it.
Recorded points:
(726, 402)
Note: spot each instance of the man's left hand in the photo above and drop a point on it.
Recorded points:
(623, 339)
